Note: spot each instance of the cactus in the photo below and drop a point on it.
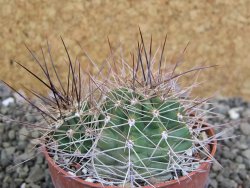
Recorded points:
(131, 126)
(74, 132)
(140, 135)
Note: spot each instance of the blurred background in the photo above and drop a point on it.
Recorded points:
(217, 32)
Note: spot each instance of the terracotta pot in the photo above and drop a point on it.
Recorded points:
(61, 179)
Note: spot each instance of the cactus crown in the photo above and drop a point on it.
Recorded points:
(132, 127)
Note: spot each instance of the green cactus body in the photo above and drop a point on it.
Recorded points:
(140, 135)
(73, 135)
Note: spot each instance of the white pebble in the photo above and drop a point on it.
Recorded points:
(204, 136)
(72, 173)
(66, 160)
(8, 101)
(189, 152)
(234, 113)
(84, 170)
(184, 173)
(55, 157)
(88, 179)
(23, 185)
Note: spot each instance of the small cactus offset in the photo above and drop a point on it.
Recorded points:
(131, 127)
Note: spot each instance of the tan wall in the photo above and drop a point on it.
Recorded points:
(218, 32)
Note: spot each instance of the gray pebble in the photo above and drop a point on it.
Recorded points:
(243, 175)
(36, 174)
(237, 180)
(246, 153)
(245, 128)
(1, 128)
(5, 185)
(246, 113)
(23, 133)
(1, 176)
(6, 144)
(32, 185)
(7, 179)
(4, 110)
(23, 157)
(221, 109)
(18, 181)
(4, 159)
(216, 167)
(47, 175)
(30, 118)
(239, 159)
(247, 163)
(228, 183)
(11, 134)
(35, 134)
(213, 183)
(246, 184)
(226, 172)
(228, 154)
(220, 178)
(241, 145)
(23, 172)
(21, 145)
(10, 151)
(39, 159)
(212, 175)
(241, 166)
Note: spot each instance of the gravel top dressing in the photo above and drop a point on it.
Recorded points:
(22, 166)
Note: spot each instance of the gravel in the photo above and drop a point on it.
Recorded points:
(16, 146)
(21, 166)
(233, 153)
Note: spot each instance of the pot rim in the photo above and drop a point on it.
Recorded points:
(203, 166)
